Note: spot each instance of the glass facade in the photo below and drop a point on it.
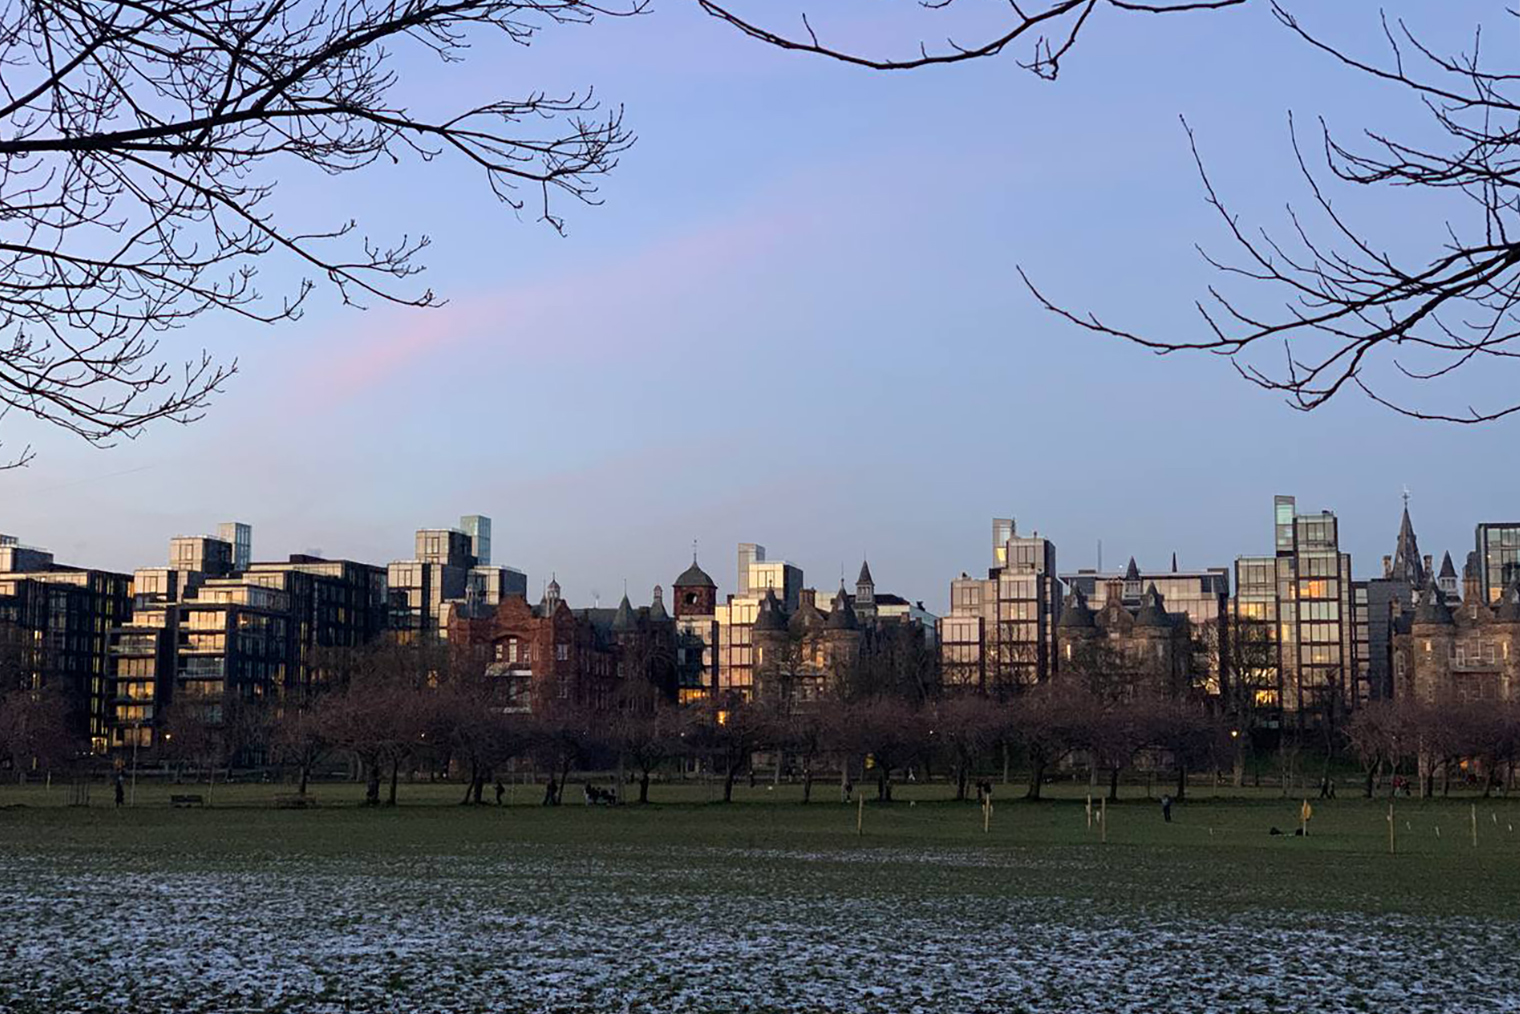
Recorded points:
(1498, 546)
(1305, 594)
(1000, 632)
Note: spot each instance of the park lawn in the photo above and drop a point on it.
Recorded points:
(762, 905)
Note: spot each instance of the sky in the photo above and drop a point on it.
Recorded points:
(796, 319)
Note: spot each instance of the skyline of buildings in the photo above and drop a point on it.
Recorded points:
(216, 624)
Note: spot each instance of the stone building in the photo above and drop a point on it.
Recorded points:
(1124, 650)
(811, 655)
(1465, 652)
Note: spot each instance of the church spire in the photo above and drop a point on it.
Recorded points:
(1406, 554)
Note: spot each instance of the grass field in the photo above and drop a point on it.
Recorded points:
(764, 905)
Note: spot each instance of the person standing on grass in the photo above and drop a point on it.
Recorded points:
(501, 790)
(121, 790)
(1166, 808)
(551, 793)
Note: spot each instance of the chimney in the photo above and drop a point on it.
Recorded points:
(809, 597)
(1430, 570)
(1387, 566)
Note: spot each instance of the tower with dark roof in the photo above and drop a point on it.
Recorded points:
(1406, 563)
(696, 593)
(1446, 580)
(865, 593)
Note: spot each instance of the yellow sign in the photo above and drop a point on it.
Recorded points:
(1305, 812)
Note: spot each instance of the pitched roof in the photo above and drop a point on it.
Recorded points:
(1152, 610)
(694, 577)
(1132, 572)
(657, 613)
(807, 617)
(624, 619)
(842, 616)
(1447, 570)
(1076, 612)
(1432, 607)
(770, 615)
(865, 574)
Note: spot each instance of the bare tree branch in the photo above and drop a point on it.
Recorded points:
(140, 145)
(1346, 304)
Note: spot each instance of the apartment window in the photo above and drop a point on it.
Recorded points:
(562, 653)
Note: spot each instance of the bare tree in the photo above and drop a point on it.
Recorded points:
(140, 145)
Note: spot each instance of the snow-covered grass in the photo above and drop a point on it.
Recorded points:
(756, 908)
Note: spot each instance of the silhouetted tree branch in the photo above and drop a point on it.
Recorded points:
(1050, 32)
(1347, 304)
(140, 145)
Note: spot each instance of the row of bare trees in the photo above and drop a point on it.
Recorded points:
(1475, 742)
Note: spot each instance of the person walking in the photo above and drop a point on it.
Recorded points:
(121, 790)
(501, 790)
(551, 793)
(1166, 808)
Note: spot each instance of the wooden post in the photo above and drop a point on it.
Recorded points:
(987, 815)
(1475, 825)
(1103, 819)
(860, 816)
(1391, 848)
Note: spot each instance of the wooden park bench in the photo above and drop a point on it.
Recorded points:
(293, 801)
(187, 800)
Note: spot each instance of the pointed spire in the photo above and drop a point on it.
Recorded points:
(1447, 570)
(1174, 561)
(1406, 554)
(657, 613)
(624, 619)
(865, 574)
(1132, 572)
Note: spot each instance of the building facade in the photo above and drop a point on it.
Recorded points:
(54, 631)
(999, 634)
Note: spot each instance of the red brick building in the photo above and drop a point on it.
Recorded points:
(551, 653)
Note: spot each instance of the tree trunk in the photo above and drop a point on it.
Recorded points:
(305, 777)
(1182, 774)
(728, 782)
(1446, 777)
(883, 784)
(1371, 778)
(1113, 784)
(619, 778)
(1036, 776)
(469, 787)
(395, 777)
(1006, 765)
(644, 787)
(807, 783)
(372, 782)
(962, 778)
(1238, 767)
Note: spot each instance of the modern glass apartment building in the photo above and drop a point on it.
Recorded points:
(1000, 632)
(1498, 548)
(1304, 594)
(54, 624)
